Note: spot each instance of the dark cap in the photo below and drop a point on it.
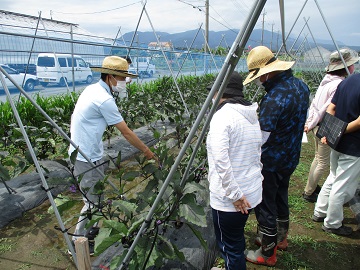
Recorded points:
(234, 87)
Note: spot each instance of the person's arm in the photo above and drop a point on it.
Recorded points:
(331, 109)
(353, 126)
(265, 136)
(134, 140)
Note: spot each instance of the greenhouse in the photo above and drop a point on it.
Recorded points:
(23, 37)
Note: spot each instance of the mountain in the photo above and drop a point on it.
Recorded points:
(225, 39)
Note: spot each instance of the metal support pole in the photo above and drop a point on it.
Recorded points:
(212, 57)
(337, 48)
(206, 37)
(188, 49)
(292, 27)
(137, 26)
(312, 36)
(293, 45)
(32, 47)
(319, 77)
(242, 39)
(219, 85)
(72, 58)
(117, 34)
(53, 49)
(167, 62)
(182, 64)
(36, 163)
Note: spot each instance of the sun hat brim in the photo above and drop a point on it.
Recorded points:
(276, 65)
(333, 67)
(121, 73)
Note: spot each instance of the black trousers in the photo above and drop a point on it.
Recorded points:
(229, 232)
(274, 203)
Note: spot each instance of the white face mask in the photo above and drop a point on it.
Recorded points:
(258, 82)
(214, 97)
(119, 87)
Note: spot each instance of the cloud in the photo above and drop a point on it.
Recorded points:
(175, 16)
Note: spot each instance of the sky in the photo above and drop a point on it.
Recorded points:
(105, 18)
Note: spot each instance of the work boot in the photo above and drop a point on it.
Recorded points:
(266, 254)
(258, 238)
(282, 233)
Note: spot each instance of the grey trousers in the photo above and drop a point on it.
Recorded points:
(339, 187)
(88, 180)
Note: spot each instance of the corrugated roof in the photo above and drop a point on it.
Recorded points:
(15, 23)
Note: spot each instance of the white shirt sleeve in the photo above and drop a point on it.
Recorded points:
(265, 136)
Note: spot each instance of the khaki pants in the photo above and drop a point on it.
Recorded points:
(319, 166)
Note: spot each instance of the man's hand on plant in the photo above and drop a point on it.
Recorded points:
(150, 155)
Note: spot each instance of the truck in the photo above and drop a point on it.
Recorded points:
(143, 66)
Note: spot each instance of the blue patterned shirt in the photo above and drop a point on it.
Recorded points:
(283, 113)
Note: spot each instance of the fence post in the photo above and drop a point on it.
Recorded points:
(82, 253)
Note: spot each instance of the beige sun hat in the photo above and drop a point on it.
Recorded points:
(261, 61)
(350, 57)
(114, 65)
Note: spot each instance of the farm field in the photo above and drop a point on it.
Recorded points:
(31, 242)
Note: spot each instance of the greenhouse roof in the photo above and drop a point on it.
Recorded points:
(21, 24)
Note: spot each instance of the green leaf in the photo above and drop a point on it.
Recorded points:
(149, 190)
(115, 225)
(28, 157)
(156, 134)
(99, 188)
(150, 168)
(62, 204)
(62, 162)
(166, 248)
(142, 250)
(199, 236)
(126, 207)
(192, 187)
(116, 261)
(104, 240)
(4, 173)
(191, 211)
(178, 253)
(9, 162)
(136, 224)
(73, 156)
(129, 176)
(118, 158)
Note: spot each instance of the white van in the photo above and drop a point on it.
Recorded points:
(56, 68)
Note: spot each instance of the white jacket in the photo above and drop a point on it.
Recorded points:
(234, 150)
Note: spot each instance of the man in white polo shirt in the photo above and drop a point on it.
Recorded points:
(94, 111)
